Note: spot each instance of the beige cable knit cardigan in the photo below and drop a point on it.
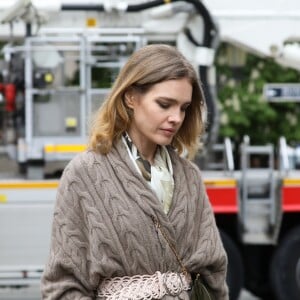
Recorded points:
(102, 227)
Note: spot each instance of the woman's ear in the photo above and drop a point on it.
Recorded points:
(129, 99)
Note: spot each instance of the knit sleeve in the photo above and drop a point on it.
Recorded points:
(214, 274)
(67, 272)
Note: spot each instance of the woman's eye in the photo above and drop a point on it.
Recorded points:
(164, 105)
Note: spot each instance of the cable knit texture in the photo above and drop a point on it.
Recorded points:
(102, 227)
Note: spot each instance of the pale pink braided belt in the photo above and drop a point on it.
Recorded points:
(140, 287)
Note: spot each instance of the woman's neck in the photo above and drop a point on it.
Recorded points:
(147, 150)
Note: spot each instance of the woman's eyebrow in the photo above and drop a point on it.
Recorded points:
(173, 100)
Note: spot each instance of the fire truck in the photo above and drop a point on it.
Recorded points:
(57, 68)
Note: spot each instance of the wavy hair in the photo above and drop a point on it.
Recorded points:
(146, 67)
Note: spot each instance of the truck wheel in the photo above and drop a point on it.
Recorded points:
(283, 267)
(298, 273)
(235, 271)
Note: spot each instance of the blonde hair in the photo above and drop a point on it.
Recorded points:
(146, 67)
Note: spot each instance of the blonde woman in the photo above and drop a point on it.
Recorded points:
(132, 219)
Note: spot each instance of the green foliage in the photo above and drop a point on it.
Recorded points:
(243, 109)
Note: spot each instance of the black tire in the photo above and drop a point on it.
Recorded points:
(283, 267)
(298, 273)
(235, 271)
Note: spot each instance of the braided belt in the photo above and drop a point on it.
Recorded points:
(142, 287)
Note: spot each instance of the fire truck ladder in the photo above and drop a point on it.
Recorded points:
(258, 206)
(220, 157)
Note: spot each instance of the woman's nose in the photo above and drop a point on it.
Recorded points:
(176, 116)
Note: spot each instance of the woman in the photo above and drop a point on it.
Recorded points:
(132, 219)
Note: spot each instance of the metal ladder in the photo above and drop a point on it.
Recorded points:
(259, 209)
(220, 157)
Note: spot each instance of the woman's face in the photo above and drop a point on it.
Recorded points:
(159, 113)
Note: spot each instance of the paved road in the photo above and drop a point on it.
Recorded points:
(32, 293)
